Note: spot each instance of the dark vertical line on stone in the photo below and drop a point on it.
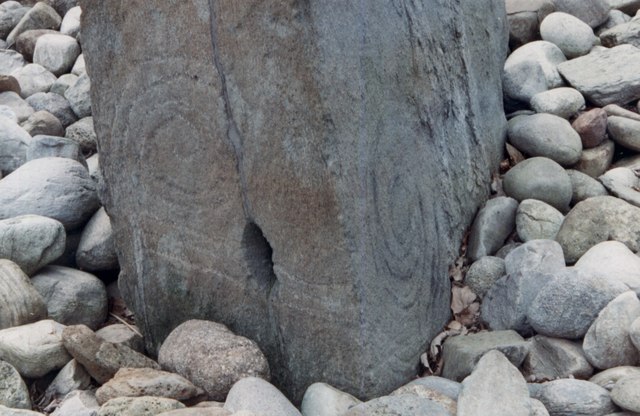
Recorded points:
(233, 133)
(363, 174)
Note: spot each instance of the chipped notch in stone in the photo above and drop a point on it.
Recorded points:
(259, 256)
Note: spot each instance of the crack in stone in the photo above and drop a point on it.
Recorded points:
(233, 133)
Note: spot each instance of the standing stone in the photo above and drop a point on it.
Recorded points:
(287, 207)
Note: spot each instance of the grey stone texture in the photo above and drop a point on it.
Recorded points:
(573, 36)
(626, 393)
(136, 382)
(567, 305)
(45, 123)
(34, 349)
(320, 399)
(592, 12)
(596, 160)
(13, 391)
(73, 297)
(53, 187)
(257, 395)
(605, 76)
(608, 378)
(553, 358)
(461, 353)
(491, 227)
(545, 135)
(31, 241)
(524, 18)
(212, 356)
(405, 404)
(138, 406)
(599, 219)
(300, 135)
(22, 304)
(97, 250)
(494, 388)
(607, 343)
(539, 178)
(574, 397)
(612, 261)
(483, 273)
(40, 16)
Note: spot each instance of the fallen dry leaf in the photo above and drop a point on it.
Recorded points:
(515, 156)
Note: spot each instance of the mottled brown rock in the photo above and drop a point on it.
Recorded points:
(101, 359)
(212, 357)
(310, 187)
(26, 41)
(524, 18)
(9, 83)
(592, 127)
(136, 382)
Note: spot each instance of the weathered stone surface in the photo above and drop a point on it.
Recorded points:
(9, 18)
(256, 395)
(626, 393)
(100, 358)
(122, 334)
(40, 16)
(567, 305)
(599, 219)
(34, 349)
(608, 378)
(623, 183)
(607, 344)
(78, 403)
(6, 411)
(136, 382)
(63, 83)
(524, 19)
(629, 7)
(563, 102)
(10, 61)
(462, 353)
(405, 404)
(72, 377)
(595, 161)
(53, 187)
(625, 33)
(21, 303)
(212, 356)
(573, 36)
(612, 261)
(26, 42)
(552, 358)
(71, 22)
(483, 273)
(43, 122)
(592, 12)
(545, 135)
(138, 406)
(83, 133)
(442, 385)
(536, 220)
(73, 297)
(14, 141)
(300, 135)
(55, 104)
(321, 399)
(31, 241)
(494, 388)
(605, 76)
(19, 106)
(79, 96)
(33, 78)
(532, 69)
(592, 127)
(13, 391)
(539, 178)
(624, 132)
(574, 397)
(428, 393)
(53, 146)
(491, 227)
(96, 250)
